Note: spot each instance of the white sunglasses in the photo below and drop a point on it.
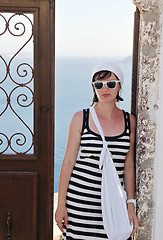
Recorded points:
(111, 84)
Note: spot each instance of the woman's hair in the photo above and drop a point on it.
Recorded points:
(101, 75)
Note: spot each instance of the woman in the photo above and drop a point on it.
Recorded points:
(79, 214)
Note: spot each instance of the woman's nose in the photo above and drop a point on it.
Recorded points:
(104, 87)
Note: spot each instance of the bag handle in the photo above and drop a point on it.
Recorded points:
(97, 123)
(105, 149)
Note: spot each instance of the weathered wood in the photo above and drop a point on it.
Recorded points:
(18, 173)
(135, 62)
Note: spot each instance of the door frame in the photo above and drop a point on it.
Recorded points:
(41, 163)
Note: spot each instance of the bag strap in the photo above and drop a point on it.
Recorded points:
(105, 147)
(97, 123)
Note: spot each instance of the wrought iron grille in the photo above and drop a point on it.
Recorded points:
(16, 83)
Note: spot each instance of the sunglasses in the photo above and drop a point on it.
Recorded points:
(111, 84)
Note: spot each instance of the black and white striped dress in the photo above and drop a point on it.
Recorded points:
(84, 191)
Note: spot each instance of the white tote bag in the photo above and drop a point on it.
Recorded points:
(113, 196)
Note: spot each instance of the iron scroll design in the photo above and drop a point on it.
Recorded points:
(22, 92)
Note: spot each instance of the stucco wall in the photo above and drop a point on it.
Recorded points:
(147, 111)
(158, 193)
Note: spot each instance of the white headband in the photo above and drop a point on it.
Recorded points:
(109, 66)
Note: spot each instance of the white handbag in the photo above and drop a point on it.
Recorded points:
(113, 196)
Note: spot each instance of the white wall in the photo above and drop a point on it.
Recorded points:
(158, 189)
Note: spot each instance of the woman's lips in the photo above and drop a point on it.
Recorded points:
(105, 94)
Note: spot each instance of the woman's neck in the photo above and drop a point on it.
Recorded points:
(106, 110)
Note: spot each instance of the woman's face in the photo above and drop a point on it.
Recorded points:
(105, 94)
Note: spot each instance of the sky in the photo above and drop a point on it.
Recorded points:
(94, 28)
(10, 44)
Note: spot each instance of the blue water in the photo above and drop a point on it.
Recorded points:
(73, 92)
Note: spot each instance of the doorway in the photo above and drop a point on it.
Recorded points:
(79, 47)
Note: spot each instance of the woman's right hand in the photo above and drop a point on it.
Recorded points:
(61, 218)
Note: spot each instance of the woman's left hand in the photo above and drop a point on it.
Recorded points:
(133, 218)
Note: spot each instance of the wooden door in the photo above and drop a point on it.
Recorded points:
(26, 119)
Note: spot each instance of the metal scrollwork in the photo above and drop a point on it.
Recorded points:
(22, 76)
(5, 25)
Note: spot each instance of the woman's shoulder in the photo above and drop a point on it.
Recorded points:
(79, 114)
(77, 120)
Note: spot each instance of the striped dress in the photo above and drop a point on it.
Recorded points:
(84, 192)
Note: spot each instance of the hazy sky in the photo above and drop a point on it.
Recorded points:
(94, 27)
(10, 44)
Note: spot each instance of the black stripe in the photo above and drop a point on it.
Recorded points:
(93, 234)
(84, 202)
(86, 179)
(119, 153)
(89, 156)
(119, 146)
(73, 215)
(90, 151)
(89, 195)
(88, 210)
(97, 174)
(76, 184)
(119, 168)
(120, 139)
(83, 225)
(90, 138)
(117, 160)
(108, 139)
(86, 144)
(86, 163)
(120, 176)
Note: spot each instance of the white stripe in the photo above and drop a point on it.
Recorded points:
(120, 157)
(89, 176)
(120, 172)
(91, 222)
(89, 160)
(75, 196)
(109, 143)
(92, 148)
(90, 230)
(89, 214)
(119, 150)
(85, 141)
(119, 143)
(84, 237)
(86, 183)
(84, 190)
(87, 155)
(85, 206)
(119, 164)
(92, 169)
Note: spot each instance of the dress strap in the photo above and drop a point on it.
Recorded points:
(85, 120)
(127, 119)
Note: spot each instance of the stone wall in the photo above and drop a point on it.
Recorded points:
(147, 110)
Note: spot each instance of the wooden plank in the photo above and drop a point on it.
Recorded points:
(135, 62)
(19, 198)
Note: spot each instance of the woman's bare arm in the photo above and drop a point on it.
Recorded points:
(129, 171)
(129, 176)
(71, 153)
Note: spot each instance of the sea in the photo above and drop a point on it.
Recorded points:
(73, 92)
